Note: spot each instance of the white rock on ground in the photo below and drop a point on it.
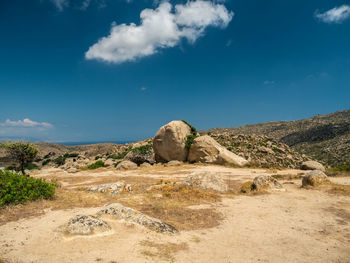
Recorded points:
(314, 178)
(173, 163)
(312, 165)
(169, 143)
(206, 181)
(266, 182)
(206, 150)
(128, 214)
(84, 225)
(113, 188)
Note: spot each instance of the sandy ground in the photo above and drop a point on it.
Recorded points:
(297, 225)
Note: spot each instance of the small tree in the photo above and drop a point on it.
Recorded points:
(21, 152)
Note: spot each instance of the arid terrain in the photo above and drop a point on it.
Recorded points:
(291, 225)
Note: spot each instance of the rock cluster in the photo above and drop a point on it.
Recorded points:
(128, 214)
(113, 188)
(206, 181)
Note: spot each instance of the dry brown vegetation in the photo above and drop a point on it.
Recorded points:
(170, 204)
(163, 251)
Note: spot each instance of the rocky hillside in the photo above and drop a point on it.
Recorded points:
(261, 151)
(323, 137)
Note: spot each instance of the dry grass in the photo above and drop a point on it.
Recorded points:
(170, 204)
(163, 251)
(288, 176)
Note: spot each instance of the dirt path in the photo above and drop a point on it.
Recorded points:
(297, 225)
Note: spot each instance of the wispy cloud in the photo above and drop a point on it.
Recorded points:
(269, 82)
(26, 123)
(163, 27)
(79, 4)
(335, 15)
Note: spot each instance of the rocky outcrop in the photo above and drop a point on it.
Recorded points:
(126, 165)
(206, 150)
(207, 181)
(113, 188)
(266, 182)
(312, 165)
(261, 151)
(128, 214)
(84, 225)
(139, 157)
(169, 142)
(314, 178)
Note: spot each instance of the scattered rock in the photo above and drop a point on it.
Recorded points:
(131, 215)
(206, 150)
(169, 143)
(140, 157)
(72, 170)
(312, 165)
(206, 181)
(266, 182)
(113, 188)
(84, 225)
(126, 165)
(314, 178)
(144, 165)
(173, 163)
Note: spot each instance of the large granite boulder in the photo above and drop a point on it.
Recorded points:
(314, 178)
(169, 143)
(207, 181)
(312, 165)
(206, 150)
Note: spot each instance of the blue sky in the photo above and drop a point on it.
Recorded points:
(212, 63)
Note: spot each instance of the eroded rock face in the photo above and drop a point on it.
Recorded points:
(169, 143)
(312, 165)
(314, 178)
(206, 150)
(84, 225)
(206, 181)
(128, 214)
(126, 165)
(113, 188)
(266, 182)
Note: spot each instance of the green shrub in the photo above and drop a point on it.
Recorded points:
(96, 165)
(32, 166)
(97, 157)
(60, 160)
(45, 162)
(16, 188)
(145, 149)
(190, 138)
(70, 155)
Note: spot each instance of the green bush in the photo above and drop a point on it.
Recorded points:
(32, 166)
(97, 157)
(16, 188)
(60, 160)
(145, 149)
(96, 165)
(190, 138)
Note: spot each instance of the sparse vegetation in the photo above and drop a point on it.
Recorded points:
(163, 251)
(16, 189)
(96, 165)
(60, 160)
(144, 149)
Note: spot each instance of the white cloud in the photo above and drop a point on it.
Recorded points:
(60, 4)
(334, 15)
(163, 27)
(26, 123)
